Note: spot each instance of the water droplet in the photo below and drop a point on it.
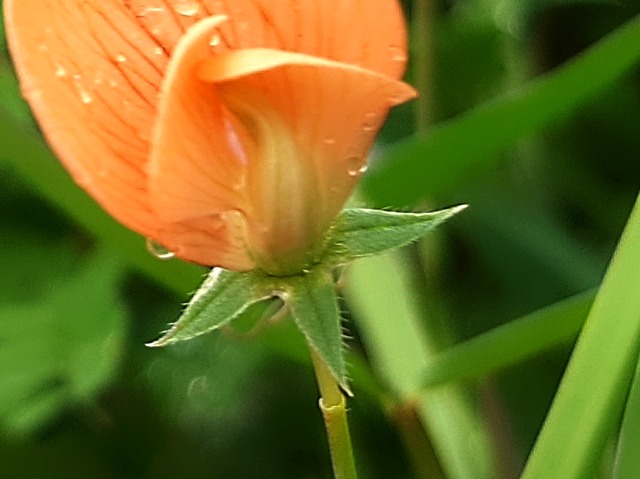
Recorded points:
(85, 96)
(330, 140)
(61, 71)
(101, 77)
(159, 251)
(142, 10)
(187, 8)
(353, 166)
(240, 184)
(233, 219)
(215, 40)
(43, 47)
(120, 58)
(158, 51)
(198, 386)
(397, 54)
(83, 181)
(370, 122)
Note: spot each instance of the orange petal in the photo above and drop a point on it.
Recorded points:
(92, 70)
(240, 63)
(331, 111)
(357, 32)
(196, 168)
(92, 89)
(369, 34)
(218, 240)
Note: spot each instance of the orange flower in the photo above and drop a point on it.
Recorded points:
(229, 131)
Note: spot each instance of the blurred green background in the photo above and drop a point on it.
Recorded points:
(530, 113)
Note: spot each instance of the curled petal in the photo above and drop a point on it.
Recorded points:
(195, 167)
(315, 121)
(214, 240)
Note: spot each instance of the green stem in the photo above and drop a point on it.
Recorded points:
(420, 450)
(422, 27)
(334, 411)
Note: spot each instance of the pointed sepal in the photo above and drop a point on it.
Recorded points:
(313, 302)
(360, 232)
(222, 297)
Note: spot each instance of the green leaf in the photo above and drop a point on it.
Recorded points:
(431, 163)
(313, 302)
(515, 341)
(365, 232)
(587, 407)
(62, 350)
(627, 463)
(222, 297)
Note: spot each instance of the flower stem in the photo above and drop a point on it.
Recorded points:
(333, 406)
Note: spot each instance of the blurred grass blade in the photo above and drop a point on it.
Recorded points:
(383, 301)
(596, 383)
(431, 163)
(627, 463)
(515, 341)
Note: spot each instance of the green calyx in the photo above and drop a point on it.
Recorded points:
(358, 232)
(310, 296)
